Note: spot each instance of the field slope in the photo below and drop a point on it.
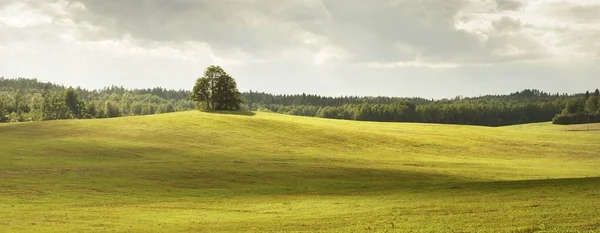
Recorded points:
(206, 172)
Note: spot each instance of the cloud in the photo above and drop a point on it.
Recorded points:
(539, 30)
(321, 31)
(508, 5)
(18, 15)
(584, 11)
(414, 64)
(401, 31)
(465, 32)
(298, 41)
(262, 30)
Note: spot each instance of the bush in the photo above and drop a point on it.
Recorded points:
(263, 109)
(576, 118)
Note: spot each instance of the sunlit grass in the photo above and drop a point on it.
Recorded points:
(201, 172)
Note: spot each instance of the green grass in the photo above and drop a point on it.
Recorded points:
(208, 172)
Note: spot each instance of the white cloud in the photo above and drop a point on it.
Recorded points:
(548, 29)
(19, 15)
(329, 43)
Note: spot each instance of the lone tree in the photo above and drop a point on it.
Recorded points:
(216, 90)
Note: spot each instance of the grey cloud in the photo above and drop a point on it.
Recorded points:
(508, 5)
(583, 42)
(508, 34)
(507, 24)
(258, 27)
(586, 12)
(367, 31)
(576, 12)
(384, 32)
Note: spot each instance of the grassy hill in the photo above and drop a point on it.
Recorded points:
(203, 172)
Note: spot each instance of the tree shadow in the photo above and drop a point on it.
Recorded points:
(238, 113)
(539, 184)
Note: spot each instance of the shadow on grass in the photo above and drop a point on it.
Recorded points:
(582, 130)
(239, 113)
(240, 178)
(228, 176)
(570, 184)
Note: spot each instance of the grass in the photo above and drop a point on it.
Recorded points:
(206, 172)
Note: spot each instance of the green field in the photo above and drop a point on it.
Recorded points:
(208, 172)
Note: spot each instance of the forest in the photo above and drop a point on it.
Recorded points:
(527, 106)
(32, 100)
(580, 110)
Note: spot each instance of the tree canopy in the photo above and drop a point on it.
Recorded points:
(585, 109)
(31, 100)
(527, 106)
(216, 90)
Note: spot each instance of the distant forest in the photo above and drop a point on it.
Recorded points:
(31, 100)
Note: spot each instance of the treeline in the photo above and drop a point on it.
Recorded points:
(316, 100)
(585, 109)
(493, 113)
(31, 100)
(527, 106)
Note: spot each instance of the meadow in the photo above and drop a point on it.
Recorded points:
(210, 172)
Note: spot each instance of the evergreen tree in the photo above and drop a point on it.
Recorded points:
(587, 95)
(582, 110)
(591, 105)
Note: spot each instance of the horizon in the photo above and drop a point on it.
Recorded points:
(259, 91)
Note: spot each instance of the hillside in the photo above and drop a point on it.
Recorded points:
(199, 172)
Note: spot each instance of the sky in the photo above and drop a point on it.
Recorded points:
(405, 48)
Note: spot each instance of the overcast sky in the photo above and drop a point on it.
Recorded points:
(427, 48)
